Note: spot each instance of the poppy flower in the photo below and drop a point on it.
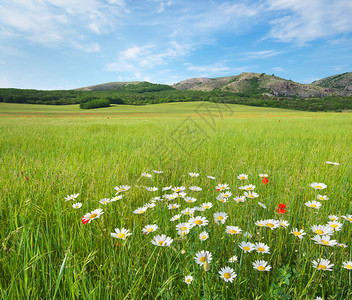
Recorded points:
(282, 205)
(281, 210)
(265, 180)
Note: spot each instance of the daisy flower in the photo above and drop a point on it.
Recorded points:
(170, 197)
(122, 188)
(199, 221)
(298, 233)
(262, 205)
(240, 199)
(260, 223)
(332, 163)
(140, 210)
(246, 246)
(193, 174)
(158, 171)
(175, 217)
(188, 211)
(347, 265)
(151, 189)
(149, 228)
(249, 187)
(271, 223)
(183, 228)
(222, 187)
(251, 195)
(322, 229)
(263, 175)
(226, 194)
(322, 197)
(206, 205)
(348, 218)
(233, 230)
(284, 223)
(71, 197)
(190, 199)
(313, 204)
(182, 195)
(203, 236)
(342, 245)
(262, 248)
(178, 189)
(322, 264)
(335, 225)
(119, 197)
(318, 186)
(120, 234)
(247, 234)
(233, 259)
(261, 265)
(242, 176)
(77, 205)
(221, 199)
(211, 177)
(104, 201)
(228, 274)
(162, 240)
(220, 217)
(146, 175)
(188, 279)
(167, 188)
(149, 205)
(195, 188)
(333, 217)
(173, 206)
(203, 256)
(87, 218)
(324, 240)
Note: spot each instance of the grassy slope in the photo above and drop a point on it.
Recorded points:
(62, 153)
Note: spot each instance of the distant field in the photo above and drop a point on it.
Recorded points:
(49, 152)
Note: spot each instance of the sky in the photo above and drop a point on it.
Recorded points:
(66, 44)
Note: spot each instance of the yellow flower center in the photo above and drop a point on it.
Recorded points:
(226, 195)
(204, 237)
(334, 225)
(161, 243)
(348, 267)
(122, 189)
(312, 205)
(121, 235)
(92, 216)
(297, 233)
(261, 268)
(322, 267)
(261, 249)
(220, 217)
(222, 188)
(227, 275)
(150, 229)
(187, 213)
(246, 248)
(250, 196)
(221, 200)
(141, 211)
(183, 228)
(249, 188)
(321, 198)
(188, 280)
(261, 225)
(325, 242)
(233, 231)
(202, 259)
(271, 225)
(319, 231)
(198, 222)
(242, 177)
(318, 187)
(206, 207)
(333, 219)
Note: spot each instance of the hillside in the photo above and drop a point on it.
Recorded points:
(106, 86)
(341, 83)
(255, 84)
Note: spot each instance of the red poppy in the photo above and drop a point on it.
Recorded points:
(85, 221)
(265, 180)
(281, 210)
(282, 205)
(218, 190)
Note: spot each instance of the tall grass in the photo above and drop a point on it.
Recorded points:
(47, 253)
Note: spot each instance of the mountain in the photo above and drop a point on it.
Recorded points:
(254, 84)
(106, 86)
(341, 83)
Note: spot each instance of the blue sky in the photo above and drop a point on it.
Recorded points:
(64, 44)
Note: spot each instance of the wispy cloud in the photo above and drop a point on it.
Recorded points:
(279, 69)
(261, 54)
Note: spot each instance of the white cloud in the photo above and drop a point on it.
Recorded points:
(261, 54)
(303, 21)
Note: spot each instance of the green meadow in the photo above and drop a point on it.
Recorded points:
(50, 152)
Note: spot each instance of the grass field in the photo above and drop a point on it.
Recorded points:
(50, 152)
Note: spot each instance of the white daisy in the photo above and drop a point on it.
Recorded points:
(119, 197)
(203, 236)
(120, 234)
(262, 205)
(233, 230)
(324, 240)
(203, 256)
(284, 223)
(249, 187)
(221, 199)
(167, 188)
(140, 210)
(322, 197)
(247, 246)
(77, 205)
(170, 197)
(335, 225)
(322, 230)
(263, 175)
(71, 197)
(173, 206)
(318, 186)
(162, 240)
(198, 221)
(146, 175)
(260, 223)
(347, 265)
(195, 188)
(261, 265)
(178, 189)
(188, 211)
(240, 199)
(220, 217)
(188, 279)
(149, 228)
(183, 228)
(313, 204)
(104, 201)
(262, 248)
(242, 176)
(149, 205)
(121, 188)
(222, 187)
(322, 264)
(158, 171)
(87, 218)
(211, 177)
(207, 205)
(271, 223)
(226, 194)
(333, 217)
(228, 274)
(151, 189)
(251, 195)
(348, 218)
(190, 199)
(298, 233)
(233, 259)
(193, 174)
(175, 217)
